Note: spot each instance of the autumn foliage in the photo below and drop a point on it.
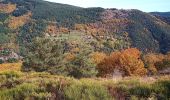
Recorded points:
(10, 66)
(69, 57)
(150, 61)
(128, 62)
(51, 30)
(7, 8)
(98, 57)
(16, 22)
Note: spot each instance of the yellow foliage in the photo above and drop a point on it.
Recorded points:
(10, 67)
(16, 22)
(75, 50)
(97, 57)
(7, 8)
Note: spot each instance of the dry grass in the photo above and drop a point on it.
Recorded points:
(10, 66)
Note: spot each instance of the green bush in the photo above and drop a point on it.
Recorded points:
(86, 91)
(11, 74)
(142, 91)
(12, 60)
(42, 96)
(5, 52)
(1, 61)
(162, 89)
(18, 93)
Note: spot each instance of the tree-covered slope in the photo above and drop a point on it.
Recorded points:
(151, 32)
(165, 16)
(113, 29)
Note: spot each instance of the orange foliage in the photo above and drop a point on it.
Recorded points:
(7, 8)
(80, 27)
(151, 59)
(132, 52)
(131, 63)
(64, 30)
(52, 30)
(10, 66)
(97, 57)
(69, 57)
(16, 22)
(108, 65)
(128, 62)
(116, 21)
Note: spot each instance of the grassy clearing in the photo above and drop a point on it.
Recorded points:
(43, 86)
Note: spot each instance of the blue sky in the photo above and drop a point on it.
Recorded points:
(144, 5)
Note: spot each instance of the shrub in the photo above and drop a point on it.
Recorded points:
(10, 74)
(1, 61)
(18, 93)
(5, 52)
(42, 96)
(162, 89)
(119, 91)
(12, 60)
(86, 91)
(141, 91)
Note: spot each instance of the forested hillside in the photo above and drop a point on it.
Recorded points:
(23, 20)
(52, 51)
(28, 24)
(165, 16)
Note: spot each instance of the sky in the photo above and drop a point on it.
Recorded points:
(144, 5)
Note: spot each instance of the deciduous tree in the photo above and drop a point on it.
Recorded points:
(128, 62)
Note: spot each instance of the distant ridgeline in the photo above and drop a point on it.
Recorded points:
(23, 20)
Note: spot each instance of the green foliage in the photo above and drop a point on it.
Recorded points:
(86, 91)
(42, 96)
(44, 55)
(4, 34)
(162, 89)
(3, 17)
(145, 29)
(65, 15)
(5, 52)
(11, 74)
(12, 60)
(1, 61)
(82, 66)
(43, 86)
(17, 93)
(47, 54)
(28, 32)
(142, 91)
(146, 32)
